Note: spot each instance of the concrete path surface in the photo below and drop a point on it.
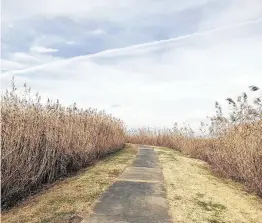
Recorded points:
(137, 196)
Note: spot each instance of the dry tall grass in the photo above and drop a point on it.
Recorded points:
(42, 142)
(233, 145)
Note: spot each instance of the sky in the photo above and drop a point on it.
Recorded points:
(148, 62)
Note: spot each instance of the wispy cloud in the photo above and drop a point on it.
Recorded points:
(134, 49)
(98, 32)
(41, 49)
(144, 66)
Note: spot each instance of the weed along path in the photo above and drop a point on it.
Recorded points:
(138, 196)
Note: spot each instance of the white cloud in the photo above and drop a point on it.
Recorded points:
(7, 65)
(71, 42)
(113, 9)
(41, 49)
(20, 61)
(98, 32)
(237, 11)
(157, 83)
(23, 57)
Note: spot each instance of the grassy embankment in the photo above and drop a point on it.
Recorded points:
(196, 195)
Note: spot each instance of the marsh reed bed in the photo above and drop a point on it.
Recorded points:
(41, 142)
(232, 143)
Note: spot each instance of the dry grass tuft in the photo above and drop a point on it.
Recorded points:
(232, 145)
(43, 142)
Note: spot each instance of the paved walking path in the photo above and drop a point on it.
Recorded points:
(137, 196)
